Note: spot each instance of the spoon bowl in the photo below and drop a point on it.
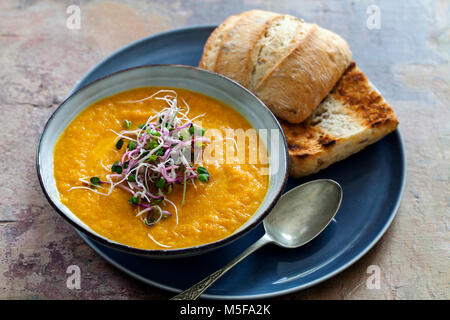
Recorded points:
(299, 216)
(292, 224)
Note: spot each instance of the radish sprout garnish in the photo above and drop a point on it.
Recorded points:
(158, 155)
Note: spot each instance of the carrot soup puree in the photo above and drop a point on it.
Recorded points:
(132, 167)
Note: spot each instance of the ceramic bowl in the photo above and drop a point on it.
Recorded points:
(185, 77)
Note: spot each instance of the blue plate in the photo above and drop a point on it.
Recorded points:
(372, 180)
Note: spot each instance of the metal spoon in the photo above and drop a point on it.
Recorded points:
(299, 216)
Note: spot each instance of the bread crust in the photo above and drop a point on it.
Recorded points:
(299, 82)
(302, 72)
(277, 42)
(238, 43)
(215, 42)
(367, 118)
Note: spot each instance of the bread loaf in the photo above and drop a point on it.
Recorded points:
(291, 65)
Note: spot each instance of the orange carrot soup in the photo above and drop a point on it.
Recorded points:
(144, 168)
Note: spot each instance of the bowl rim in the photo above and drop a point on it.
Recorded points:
(178, 252)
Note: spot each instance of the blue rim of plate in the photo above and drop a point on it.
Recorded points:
(402, 163)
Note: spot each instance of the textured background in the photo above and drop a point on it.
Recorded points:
(41, 60)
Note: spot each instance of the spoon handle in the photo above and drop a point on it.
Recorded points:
(197, 289)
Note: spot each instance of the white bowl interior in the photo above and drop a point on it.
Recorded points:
(192, 79)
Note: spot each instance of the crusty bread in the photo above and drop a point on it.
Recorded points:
(350, 118)
(278, 41)
(291, 65)
(214, 43)
(232, 59)
(300, 81)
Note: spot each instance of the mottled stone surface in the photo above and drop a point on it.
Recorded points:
(41, 60)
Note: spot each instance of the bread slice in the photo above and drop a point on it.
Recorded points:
(352, 116)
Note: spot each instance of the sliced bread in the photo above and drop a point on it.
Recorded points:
(352, 116)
